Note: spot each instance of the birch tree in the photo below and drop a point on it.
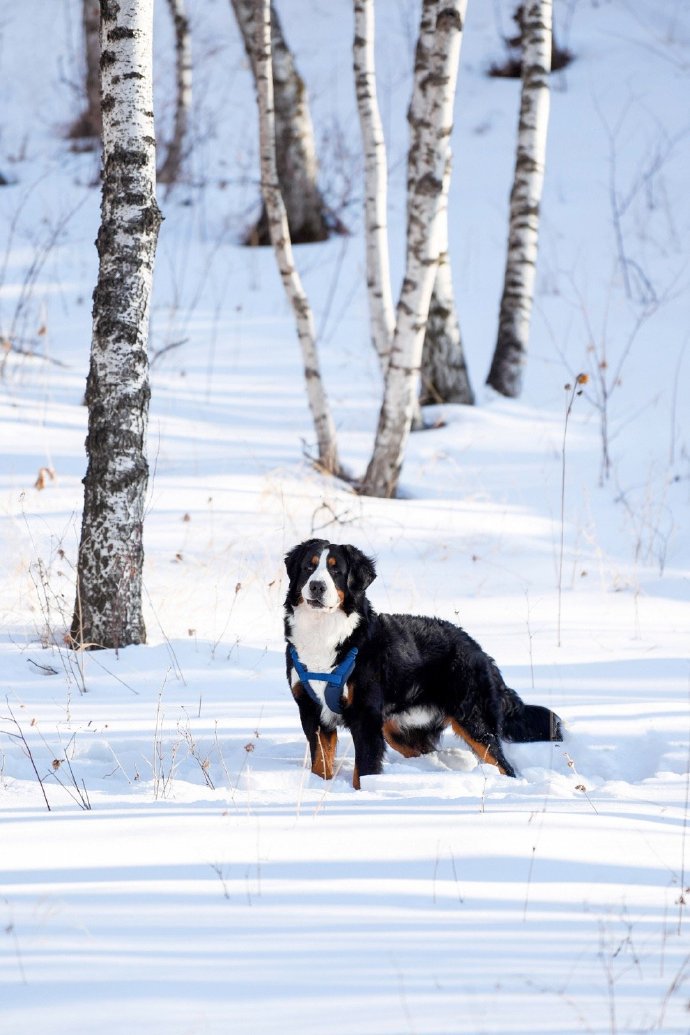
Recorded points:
(108, 610)
(89, 124)
(444, 376)
(431, 120)
(515, 312)
(280, 238)
(381, 308)
(169, 171)
(308, 216)
(444, 373)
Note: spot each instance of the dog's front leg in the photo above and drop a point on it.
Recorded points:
(370, 747)
(322, 741)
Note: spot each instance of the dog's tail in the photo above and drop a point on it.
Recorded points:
(523, 723)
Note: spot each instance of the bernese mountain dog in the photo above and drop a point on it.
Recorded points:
(389, 679)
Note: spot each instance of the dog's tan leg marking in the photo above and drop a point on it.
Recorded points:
(481, 750)
(391, 730)
(355, 779)
(324, 759)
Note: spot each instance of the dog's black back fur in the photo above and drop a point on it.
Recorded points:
(413, 677)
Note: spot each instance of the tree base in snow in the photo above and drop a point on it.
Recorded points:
(511, 67)
(321, 227)
(505, 375)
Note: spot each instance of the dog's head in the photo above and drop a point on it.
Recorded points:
(327, 577)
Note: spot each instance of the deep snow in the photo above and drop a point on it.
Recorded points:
(191, 875)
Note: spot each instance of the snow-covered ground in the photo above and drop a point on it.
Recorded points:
(190, 874)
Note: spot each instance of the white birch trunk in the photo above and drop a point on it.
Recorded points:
(431, 119)
(444, 376)
(515, 312)
(418, 111)
(169, 171)
(381, 309)
(444, 372)
(108, 611)
(280, 238)
(308, 216)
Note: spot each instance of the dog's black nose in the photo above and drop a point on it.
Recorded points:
(317, 588)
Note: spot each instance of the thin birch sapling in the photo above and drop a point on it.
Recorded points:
(381, 308)
(282, 246)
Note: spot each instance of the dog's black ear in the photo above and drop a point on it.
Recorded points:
(361, 570)
(293, 559)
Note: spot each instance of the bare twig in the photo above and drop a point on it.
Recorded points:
(11, 931)
(574, 390)
(19, 735)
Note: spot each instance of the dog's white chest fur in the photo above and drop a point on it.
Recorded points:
(316, 636)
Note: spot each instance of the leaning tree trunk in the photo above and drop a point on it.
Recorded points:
(280, 238)
(515, 312)
(381, 309)
(89, 124)
(428, 180)
(308, 216)
(108, 611)
(170, 169)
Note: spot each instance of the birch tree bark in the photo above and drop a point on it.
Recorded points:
(381, 309)
(431, 120)
(515, 312)
(444, 377)
(89, 124)
(308, 216)
(108, 610)
(170, 169)
(280, 237)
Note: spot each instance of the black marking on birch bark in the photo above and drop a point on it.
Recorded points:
(110, 9)
(121, 32)
(448, 19)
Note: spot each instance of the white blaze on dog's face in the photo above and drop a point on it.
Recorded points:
(317, 618)
(320, 591)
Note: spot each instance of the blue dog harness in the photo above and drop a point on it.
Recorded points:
(335, 680)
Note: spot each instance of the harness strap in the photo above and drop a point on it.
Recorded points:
(335, 680)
